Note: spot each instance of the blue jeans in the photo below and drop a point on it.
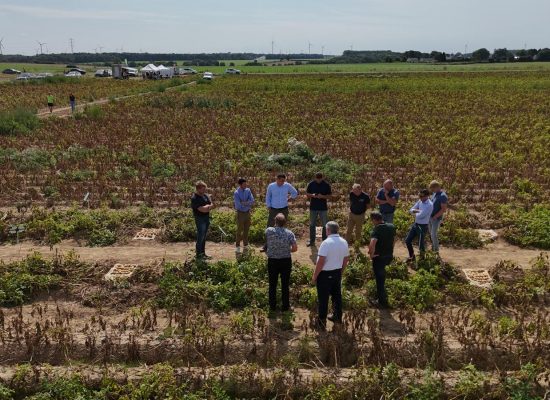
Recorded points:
(202, 223)
(388, 218)
(379, 267)
(313, 215)
(419, 230)
(434, 228)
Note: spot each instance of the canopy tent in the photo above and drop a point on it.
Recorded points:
(150, 68)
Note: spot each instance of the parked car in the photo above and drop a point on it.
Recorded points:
(103, 73)
(11, 71)
(208, 76)
(81, 71)
(187, 71)
(232, 71)
(73, 74)
(25, 76)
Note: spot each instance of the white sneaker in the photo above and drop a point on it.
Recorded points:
(237, 249)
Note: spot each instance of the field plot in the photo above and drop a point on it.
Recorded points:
(184, 329)
(33, 94)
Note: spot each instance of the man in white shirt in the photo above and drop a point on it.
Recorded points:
(332, 260)
(422, 210)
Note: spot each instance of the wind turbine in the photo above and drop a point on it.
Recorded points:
(41, 46)
(1, 46)
(309, 44)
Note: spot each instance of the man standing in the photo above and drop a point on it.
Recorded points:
(281, 242)
(72, 102)
(422, 210)
(51, 99)
(381, 253)
(244, 201)
(318, 191)
(332, 260)
(440, 202)
(276, 199)
(201, 205)
(387, 198)
(358, 204)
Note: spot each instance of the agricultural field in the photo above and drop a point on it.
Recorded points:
(76, 190)
(32, 95)
(395, 67)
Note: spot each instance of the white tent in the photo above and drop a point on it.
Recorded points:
(165, 72)
(150, 68)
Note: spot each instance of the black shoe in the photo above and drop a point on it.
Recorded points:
(263, 250)
(335, 320)
(309, 244)
(321, 325)
(377, 304)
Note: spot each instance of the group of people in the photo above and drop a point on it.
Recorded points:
(51, 99)
(333, 253)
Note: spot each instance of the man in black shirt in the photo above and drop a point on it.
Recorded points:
(318, 191)
(359, 202)
(381, 254)
(201, 205)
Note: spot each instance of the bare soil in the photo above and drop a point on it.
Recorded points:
(149, 252)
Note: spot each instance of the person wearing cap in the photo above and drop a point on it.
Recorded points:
(422, 211)
(358, 203)
(440, 202)
(318, 191)
(276, 199)
(387, 198)
(332, 260)
(280, 243)
(381, 253)
(243, 200)
(201, 205)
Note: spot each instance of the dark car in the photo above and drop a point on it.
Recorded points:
(11, 71)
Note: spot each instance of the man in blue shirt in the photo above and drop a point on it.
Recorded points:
(422, 210)
(244, 201)
(387, 198)
(440, 202)
(318, 191)
(276, 199)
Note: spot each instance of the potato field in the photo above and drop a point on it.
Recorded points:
(75, 190)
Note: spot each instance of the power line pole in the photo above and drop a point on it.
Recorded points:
(309, 48)
(272, 47)
(71, 41)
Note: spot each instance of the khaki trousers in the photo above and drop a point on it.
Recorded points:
(243, 226)
(355, 226)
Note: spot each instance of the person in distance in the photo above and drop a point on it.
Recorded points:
(318, 192)
(440, 202)
(244, 200)
(387, 198)
(422, 211)
(201, 205)
(381, 253)
(358, 203)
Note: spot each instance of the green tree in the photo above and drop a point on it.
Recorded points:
(481, 54)
(501, 54)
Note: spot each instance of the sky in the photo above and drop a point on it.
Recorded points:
(182, 26)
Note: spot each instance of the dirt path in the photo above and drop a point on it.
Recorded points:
(146, 252)
(64, 112)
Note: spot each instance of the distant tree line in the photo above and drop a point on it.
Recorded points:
(201, 59)
(347, 57)
(480, 55)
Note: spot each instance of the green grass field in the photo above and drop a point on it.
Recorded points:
(396, 67)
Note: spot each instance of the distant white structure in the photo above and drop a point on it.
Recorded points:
(260, 59)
